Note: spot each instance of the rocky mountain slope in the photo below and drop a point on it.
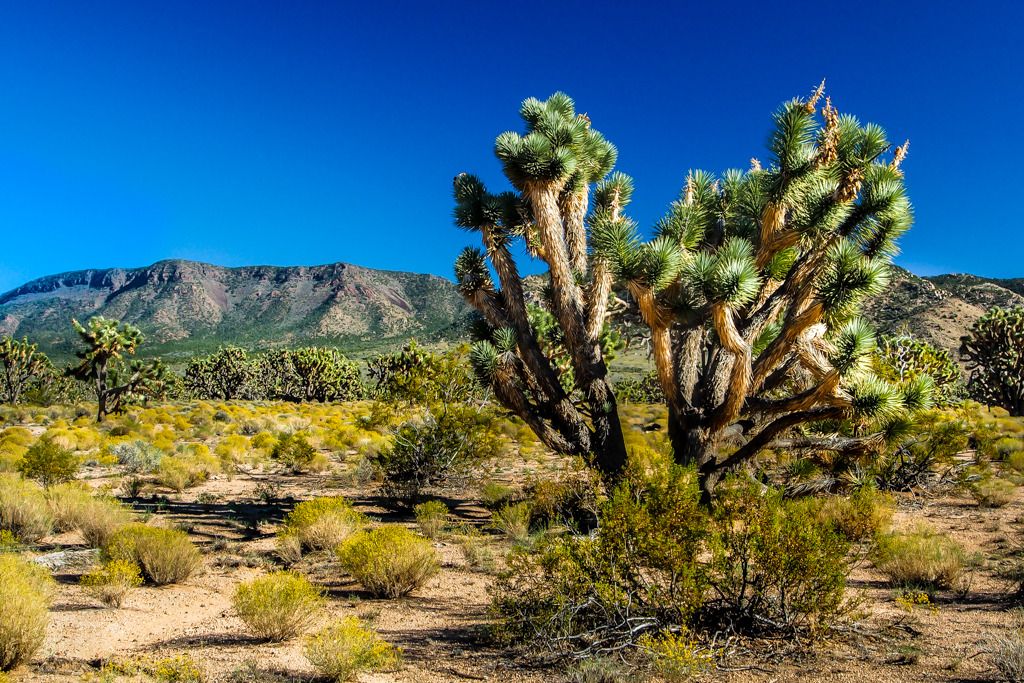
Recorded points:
(940, 309)
(184, 307)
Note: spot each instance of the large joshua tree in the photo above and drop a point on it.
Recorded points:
(750, 286)
(553, 168)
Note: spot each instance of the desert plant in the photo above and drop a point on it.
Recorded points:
(25, 594)
(346, 648)
(221, 375)
(99, 518)
(115, 382)
(49, 463)
(112, 582)
(278, 606)
(1006, 651)
(314, 373)
(861, 516)
(993, 492)
(750, 288)
(21, 363)
(164, 556)
(137, 456)
(994, 353)
(431, 517)
(293, 450)
(389, 561)
(174, 669)
(23, 508)
(922, 559)
(902, 357)
(323, 523)
(513, 521)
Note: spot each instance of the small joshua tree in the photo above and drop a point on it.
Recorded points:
(750, 287)
(102, 363)
(903, 356)
(22, 363)
(316, 373)
(994, 352)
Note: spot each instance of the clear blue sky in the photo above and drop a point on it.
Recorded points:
(309, 132)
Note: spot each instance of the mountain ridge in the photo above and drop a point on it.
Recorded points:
(187, 307)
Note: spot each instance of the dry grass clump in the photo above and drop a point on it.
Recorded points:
(346, 648)
(25, 593)
(23, 508)
(993, 492)
(164, 556)
(323, 523)
(176, 669)
(278, 606)
(431, 517)
(389, 561)
(1006, 651)
(861, 516)
(922, 558)
(74, 506)
(111, 583)
(513, 521)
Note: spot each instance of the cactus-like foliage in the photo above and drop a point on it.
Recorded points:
(903, 357)
(315, 373)
(557, 383)
(22, 363)
(223, 374)
(994, 352)
(750, 286)
(102, 362)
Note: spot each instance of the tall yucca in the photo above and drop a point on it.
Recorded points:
(750, 286)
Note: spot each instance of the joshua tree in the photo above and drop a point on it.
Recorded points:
(102, 362)
(317, 373)
(553, 168)
(903, 356)
(994, 351)
(22, 363)
(750, 286)
(221, 375)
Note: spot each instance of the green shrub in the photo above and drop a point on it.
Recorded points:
(25, 593)
(163, 555)
(278, 606)
(993, 492)
(431, 517)
(346, 648)
(179, 474)
(493, 495)
(111, 583)
(323, 523)
(23, 509)
(513, 521)
(775, 565)
(922, 558)
(293, 450)
(49, 463)
(862, 516)
(389, 561)
(569, 592)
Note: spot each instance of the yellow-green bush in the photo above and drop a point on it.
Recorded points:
(431, 517)
(176, 669)
(389, 561)
(993, 492)
(23, 508)
(862, 516)
(346, 648)
(278, 606)
(513, 521)
(922, 558)
(49, 462)
(25, 593)
(163, 555)
(323, 523)
(111, 583)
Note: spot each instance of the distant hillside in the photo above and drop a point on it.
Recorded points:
(184, 307)
(940, 309)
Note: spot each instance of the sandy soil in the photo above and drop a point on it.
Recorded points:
(441, 627)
